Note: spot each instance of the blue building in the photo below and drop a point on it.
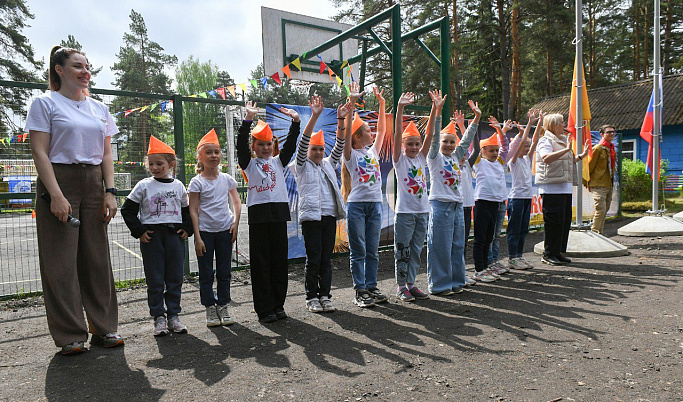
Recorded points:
(624, 107)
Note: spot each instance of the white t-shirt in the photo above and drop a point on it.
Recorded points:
(445, 177)
(366, 178)
(467, 188)
(545, 147)
(159, 202)
(411, 183)
(214, 208)
(490, 180)
(266, 181)
(77, 129)
(521, 178)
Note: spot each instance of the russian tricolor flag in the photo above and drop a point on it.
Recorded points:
(646, 129)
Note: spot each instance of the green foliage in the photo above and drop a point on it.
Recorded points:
(636, 183)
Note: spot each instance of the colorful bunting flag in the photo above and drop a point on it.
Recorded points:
(244, 87)
(144, 108)
(339, 80)
(323, 66)
(203, 95)
(285, 70)
(254, 83)
(264, 81)
(348, 91)
(129, 111)
(344, 63)
(163, 106)
(297, 63)
(221, 92)
(212, 93)
(276, 77)
(154, 106)
(231, 88)
(331, 73)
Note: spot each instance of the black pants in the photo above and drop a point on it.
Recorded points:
(268, 255)
(319, 241)
(467, 214)
(163, 258)
(557, 220)
(485, 215)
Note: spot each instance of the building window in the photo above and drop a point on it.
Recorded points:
(628, 149)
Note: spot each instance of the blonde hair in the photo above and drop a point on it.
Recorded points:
(276, 145)
(554, 123)
(199, 167)
(345, 174)
(170, 159)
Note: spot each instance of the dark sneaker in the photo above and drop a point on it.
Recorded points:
(363, 299)
(280, 314)
(377, 296)
(175, 326)
(551, 260)
(403, 294)
(111, 340)
(447, 292)
(564, 259)
(268, 319)
(418, 294)
(73, 348)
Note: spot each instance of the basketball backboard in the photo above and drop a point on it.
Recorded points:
(288, 35)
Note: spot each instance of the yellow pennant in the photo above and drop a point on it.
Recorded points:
(244, 87)
(231, 88)
(297, 63)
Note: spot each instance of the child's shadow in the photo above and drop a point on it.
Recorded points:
(239, 342)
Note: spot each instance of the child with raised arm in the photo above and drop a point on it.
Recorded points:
(215, 228)
(157, 213)
(446, 230)
(412, 205)
(519, 200)
(362, 190)
(320, 204)
(263, 164)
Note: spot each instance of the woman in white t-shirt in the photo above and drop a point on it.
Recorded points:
(71, 145)
(215, 228)
(362, 190)
(412, 204)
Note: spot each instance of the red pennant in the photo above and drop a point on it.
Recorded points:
(127, 112)
(323, 66)
(276, 77)
(221, 92)
(285, 70)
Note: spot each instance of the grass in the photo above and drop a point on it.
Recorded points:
(636, 208)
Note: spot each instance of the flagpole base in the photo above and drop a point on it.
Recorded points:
(652, 226)
(588, 244)
(679, 217)
(658, 212)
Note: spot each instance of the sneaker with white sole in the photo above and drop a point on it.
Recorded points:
(363, 299)
(484, 276)
(224, 315)
(377, 296)
(314, 306)
(492, 273)
(469, 281)
(110, 340)
(418, 294)
(516, 263)
(328, 307)
(498, 268)
(175, 326)
(212, 318)
(160, 326)
(526, 262)
(403, 294)
(73, 348)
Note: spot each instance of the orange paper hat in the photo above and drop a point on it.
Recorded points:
(357, 122)
(156, 146)
(491, 141)
(450, 129)
(410, 131)
(209, 138)
(262, 131)
(318, 139)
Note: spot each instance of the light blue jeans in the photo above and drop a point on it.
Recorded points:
(445, 246)
(409, 238)
(495, 244)
(364, 223)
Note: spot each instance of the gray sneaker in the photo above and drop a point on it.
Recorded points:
(377, 296)
(73, 348)
(224, 315)
(314, 306)
(403, 294)
(212, 319)
(418, 294)
(174, 325)
(160, 326)
(328, 307)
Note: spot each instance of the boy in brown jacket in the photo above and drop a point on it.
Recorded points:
(601, 168)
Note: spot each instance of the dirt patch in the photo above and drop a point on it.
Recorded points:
(599, 329)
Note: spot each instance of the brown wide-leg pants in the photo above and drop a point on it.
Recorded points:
(75, 267)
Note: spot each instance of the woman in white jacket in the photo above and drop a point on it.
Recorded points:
(320, 204)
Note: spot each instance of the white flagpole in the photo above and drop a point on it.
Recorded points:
(578, 84)
(657, 115)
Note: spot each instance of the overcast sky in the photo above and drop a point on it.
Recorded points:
(227, 32)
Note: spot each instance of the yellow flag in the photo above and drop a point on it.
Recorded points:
(244, 87)
(297, 63)
(339, 80)
(144, 108)
(344, 63)
(231, 88)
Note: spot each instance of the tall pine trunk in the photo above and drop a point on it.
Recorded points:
(504, 59)
(516, 78)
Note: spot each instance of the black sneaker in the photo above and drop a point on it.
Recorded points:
(363, 299)
(377, 296)
(280, 314)
(564, 259)
(551, 260)
(268, 319)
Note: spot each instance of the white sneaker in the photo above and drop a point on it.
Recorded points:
(328, 307)
(490, 272)
(212, 319)
(484, 276)
(224, 315)
(314, 306)
(160, 326)
(499, 268)
(526, 262)
(469, 281)
(517, 263)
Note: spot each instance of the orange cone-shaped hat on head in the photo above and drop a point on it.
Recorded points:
(491, 141)
(156, 146)
(357, 122)
(410, 131)
(318, 139)
(209, 138)
(262, 131)
(450, 129)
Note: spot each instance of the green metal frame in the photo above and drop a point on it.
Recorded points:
(286, 59)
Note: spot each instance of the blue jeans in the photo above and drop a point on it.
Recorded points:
(409, 238)
(220, 244)
(364, 223)
(163, 258)
(519, 214)
(495, 244)
(445, 246)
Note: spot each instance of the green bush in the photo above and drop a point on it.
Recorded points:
(636, 183)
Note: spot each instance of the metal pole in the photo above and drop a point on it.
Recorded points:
(445, 42)
(396, 78)
(179, 139)
(657, 116)
(579, 108)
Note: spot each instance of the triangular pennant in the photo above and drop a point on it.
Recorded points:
(25, 137)
(348, 72)
(303, 56)
(339, 80)
(264, 81)
(163, 106)
(254, 83)
(144, 108)
(285, 70)
(192, 96)
(221, 92)
(276, 77)
(231, 88)
(344, 63)
(244, 87)
(297, 63)
(212, 93)
(348, 91)
(116, 114)
(3, 141)
(203, 95)
(127, 112)
(154, 106)
(331, 73)
(323, 66)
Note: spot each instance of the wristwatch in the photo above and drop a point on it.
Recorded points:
(111, 190)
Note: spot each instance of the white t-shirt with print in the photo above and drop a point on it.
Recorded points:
(445, 177)
(159, 202)
(366, 178)
(77, 129)
(490, 180)
(521, 178)
(411, 184)
(214, 208)
(266, 181)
